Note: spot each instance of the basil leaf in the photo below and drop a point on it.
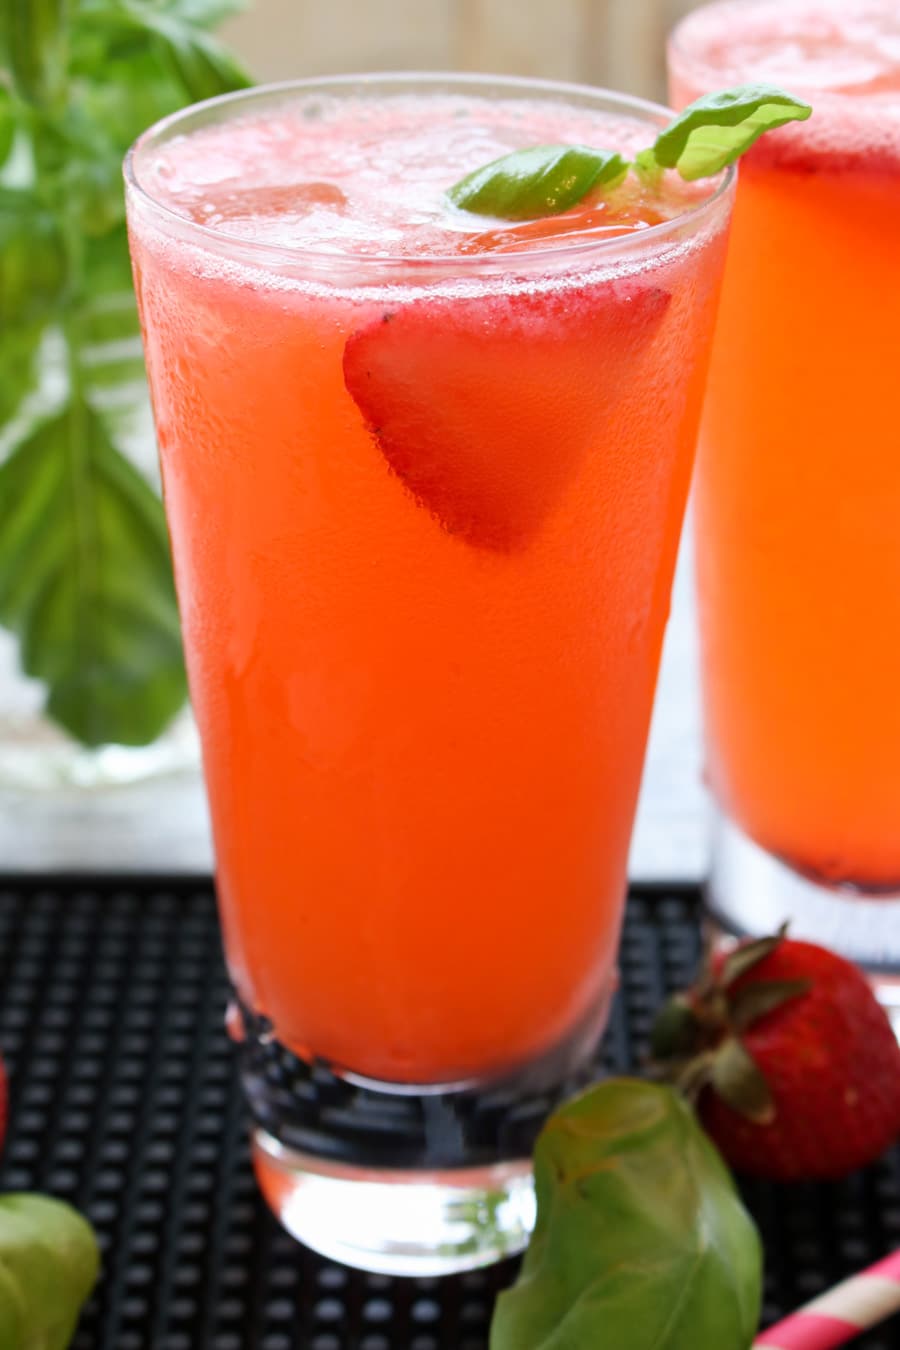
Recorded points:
(49, 1262)
(80, 168)
(641, 1239)
(540, 181)
(19, 345)
(85, 581)
(101, 627)
(33, 263)
(715, 130)
(546, 179)
(647, 168)
(7, 125)
(36, 42)
(201, 65)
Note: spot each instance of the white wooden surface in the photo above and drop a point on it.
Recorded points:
(616, 43)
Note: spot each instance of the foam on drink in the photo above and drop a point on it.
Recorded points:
(843, 55)
(341, 175)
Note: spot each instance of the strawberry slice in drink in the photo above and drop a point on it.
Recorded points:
(485, 407)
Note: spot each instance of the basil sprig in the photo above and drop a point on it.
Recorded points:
(716, 130)
(705, 138)
(641, 1239)
(85, 578)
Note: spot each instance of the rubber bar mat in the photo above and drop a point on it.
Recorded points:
(125, 1102)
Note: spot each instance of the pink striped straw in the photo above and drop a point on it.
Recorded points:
(842, 1313)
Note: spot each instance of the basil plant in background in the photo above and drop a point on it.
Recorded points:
(86, 592)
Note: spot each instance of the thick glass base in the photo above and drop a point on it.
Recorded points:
(402, 1179)
(750, 893)
(398, 1222)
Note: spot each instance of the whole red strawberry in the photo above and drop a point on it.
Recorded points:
(790, 1058)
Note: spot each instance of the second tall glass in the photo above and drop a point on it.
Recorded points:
(798, 485)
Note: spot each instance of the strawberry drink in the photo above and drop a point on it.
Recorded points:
(424, 474)
(798, 492)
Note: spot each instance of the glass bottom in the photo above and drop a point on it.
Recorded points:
(403, 1179)
(396, 1222)
(750, 893)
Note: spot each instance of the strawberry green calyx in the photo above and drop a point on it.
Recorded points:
(545, 180)
(696, 1041)
(788, 1058)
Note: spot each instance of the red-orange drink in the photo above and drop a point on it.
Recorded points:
(798, 491)
(425, 477)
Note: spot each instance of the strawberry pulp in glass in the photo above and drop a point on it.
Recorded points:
(424, 475)
(798, 491)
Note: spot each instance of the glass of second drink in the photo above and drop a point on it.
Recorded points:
(424, 477)
(798, 484)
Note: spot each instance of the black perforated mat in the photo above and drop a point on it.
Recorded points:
(125, 1102)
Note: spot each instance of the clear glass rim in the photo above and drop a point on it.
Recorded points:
(278, 256)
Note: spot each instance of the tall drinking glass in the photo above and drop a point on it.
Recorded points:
(798, 488)
(424, 476)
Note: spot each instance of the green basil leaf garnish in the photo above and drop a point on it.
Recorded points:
(714, 131)
(36, 38)
(540, 181)
(704, 139)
